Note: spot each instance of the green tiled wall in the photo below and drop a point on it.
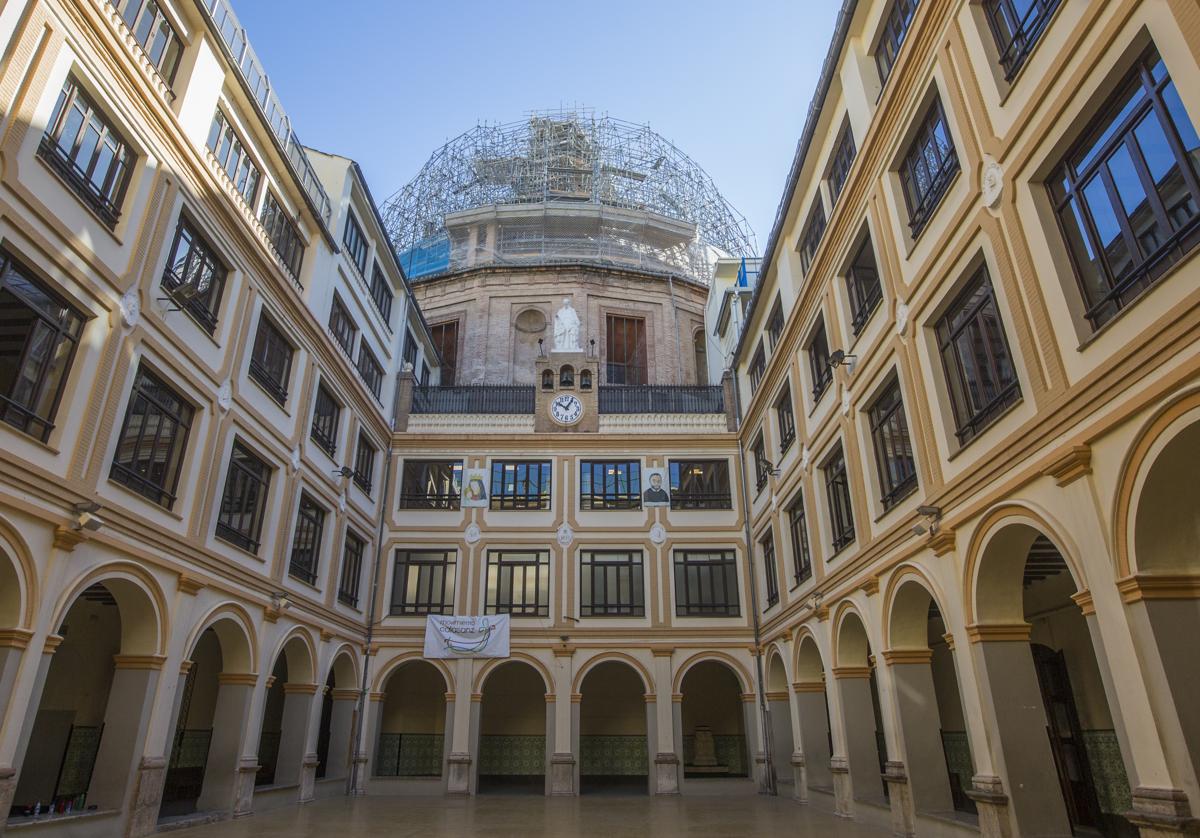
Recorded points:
(731, 752)
(409, 755)
(613, 756)
(512, 756)
(1108, 771)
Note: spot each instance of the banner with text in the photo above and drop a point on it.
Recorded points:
(467, 637)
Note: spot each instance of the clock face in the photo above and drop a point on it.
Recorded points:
(566, 409)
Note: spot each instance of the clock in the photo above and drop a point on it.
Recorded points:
(566, 409)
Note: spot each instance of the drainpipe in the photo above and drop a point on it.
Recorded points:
(766, 783)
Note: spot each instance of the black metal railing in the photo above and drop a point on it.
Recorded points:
(475, 398)
(79, 182)
(655, 398)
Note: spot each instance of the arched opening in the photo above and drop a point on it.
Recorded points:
(1166, 542)
(1054, 725)
(513, 723)
(812, 706)
(862, 721)
(283, 739)
(783, 741)
(566, 376)
(338, 713)
(212, 711)
(585, 379)
(11, 591)
(612, 730)
(528, 329)
(713, 721)
(412, 723)
(700, 357)
(547, 379)
(87, 727)
(937, 754)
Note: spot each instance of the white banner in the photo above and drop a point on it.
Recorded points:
(467, 637)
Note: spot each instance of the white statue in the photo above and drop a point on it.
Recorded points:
(566, 328)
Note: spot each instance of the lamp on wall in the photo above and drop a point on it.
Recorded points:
(772, 469)
(839, 358)
(933, 515)
(344, 471)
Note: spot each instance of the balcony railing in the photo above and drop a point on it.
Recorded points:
(476, 398)
(652, 398)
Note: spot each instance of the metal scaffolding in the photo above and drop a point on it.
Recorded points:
(563, 187)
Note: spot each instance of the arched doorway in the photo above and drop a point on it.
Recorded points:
(513, 722)
(338, 713)
(713, 723)
(87, 728)
(1054, 726)
(412, 723)
(862, 723)
(613, 753)
(1166, 556)
(283, 738)
(812, 706)
(212, 711)
(783, 741)
(937, 755)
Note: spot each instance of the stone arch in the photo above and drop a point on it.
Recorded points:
(851, 642)
(300, 652)
(739, 671)
(777, 676)
(808, 665)
(234, 629)
(344, 668)
(906, 606)
(593, 662)
(18, 579)
(492, 665)
(996, 559)
(143, 608)
(389, 669)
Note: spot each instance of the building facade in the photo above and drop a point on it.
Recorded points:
(970, 375)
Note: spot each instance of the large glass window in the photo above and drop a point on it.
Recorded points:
(521, 484)
(194, 276)
(770, 573)
(837, 491)
(431, 484)
(610, 484)
(610, 584)
(843, 159)
(364, 462)
(342, 325)
(896, 21)
(232, 156)
(283, 233)
(785, 415)
(866, 290)
(369, 369)
(975, 357)
(306, 542)
(154, 33)
(382, 293)
(775, 323)
(445, 339)
(810, 237)
(518, 583)
(1127, 196)
(818, 361)
(356, 243)
(893, 449)
(352, 559)
(758, 367)
(244, 500)
(37, 344)
(700, 484)
(1017, 25)
(626, 350)
(928, 167)
(798, 529)
(153, 439)
(88, 153)
(423, 582)
(706, 584)
(410, 350)
(762, 466)
(326, 411)
(271, 359)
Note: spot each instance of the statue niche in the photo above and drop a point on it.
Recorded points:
(528, 327)
(566, 328)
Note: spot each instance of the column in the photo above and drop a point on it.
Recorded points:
(463, 734)
(1022, 749)
(224, 786)
(130, 699)
(783, 746)
(813, 724)
(858, 721)
(563, 723)
(758, 763)
(292, 764)
(13, 643)
(368, 747)
(152, 772)
(664, 749)
(341, 725)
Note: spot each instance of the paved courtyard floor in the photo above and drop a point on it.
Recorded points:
(534, 817)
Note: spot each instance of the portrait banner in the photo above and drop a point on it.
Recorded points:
(656, 492)
(474, 488)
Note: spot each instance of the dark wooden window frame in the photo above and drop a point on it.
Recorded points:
(775, 323)
(435, 577)
(364, 462)
(307, 539)
(382, 293)
(155, 33)
(818, 360)
(710, 489)
(355, 241)
(897, 470)
(528, 492)
(247, 483)
(811, 235)
(508, 567)
(864, 284)
(766, 548)
(342, 325)
(598, 489)
(758, 367)
(271, 359)
(326, 417)
(801, 549)
(841, 162)
(284, 234)
(785, 415)
(155, 408)
(896, 22)
(706, 574)
(632, 367)
(610, 572)
(416, 481)
(369, 370)
(441, 333)
(351, 575)
(233, 156)
(194, 275)
(928, 167)
(758, 451)
(1017, 35)
(837, 492)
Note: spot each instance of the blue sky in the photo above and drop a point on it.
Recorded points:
(388, 81)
